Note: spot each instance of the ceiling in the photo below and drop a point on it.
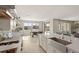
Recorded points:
(45, 12)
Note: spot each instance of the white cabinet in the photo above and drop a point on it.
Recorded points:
(55, 50)
(43, 42)
(51, 48)
(55, 47)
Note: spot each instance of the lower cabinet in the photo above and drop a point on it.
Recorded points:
(51, 48)
(43, 42)
(57, 50)
(54, 47)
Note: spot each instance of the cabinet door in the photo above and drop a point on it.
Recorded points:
(57, 50)
(4, 24)
(55, 47)
(43, 42)
(50, 48)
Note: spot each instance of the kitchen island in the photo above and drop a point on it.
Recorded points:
(48, 46)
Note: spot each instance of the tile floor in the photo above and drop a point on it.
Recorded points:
(31, 45)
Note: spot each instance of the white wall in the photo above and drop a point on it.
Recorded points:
(51, 25)
(4, 24)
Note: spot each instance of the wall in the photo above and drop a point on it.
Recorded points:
(4, 24)
(56, 25)
(51, 25)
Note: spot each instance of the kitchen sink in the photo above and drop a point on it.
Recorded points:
(60, 41)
